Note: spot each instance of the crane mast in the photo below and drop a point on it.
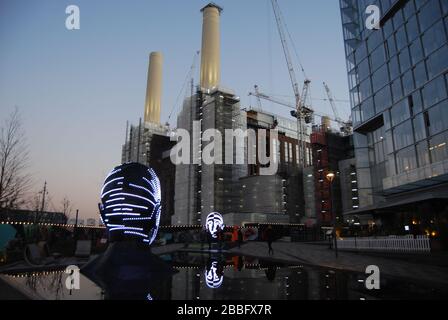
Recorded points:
(301, 110)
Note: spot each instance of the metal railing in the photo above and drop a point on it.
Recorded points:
(403, 244)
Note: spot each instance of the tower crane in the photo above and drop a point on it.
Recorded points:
(302, 112)
(307, 120)
(345, 126)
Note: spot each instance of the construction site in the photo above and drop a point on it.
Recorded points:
(310, 144)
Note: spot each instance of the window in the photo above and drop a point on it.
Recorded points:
(434, 92)
(403, 135)
(419, 127)
(363, 69)
(429, 14)
(420, 74)
(438, 118)
(434, 38)
(377, 58)
(400, 112)
(380, 78)
(423, 154)
(438, 147)
(383, 99)
(367, 109)
(356, 114)
(412, 28)
(417, 102)
(438, 62)
(408, 82)
(405, 61)
(394, 68)
(365, 89)
(406, 160)
(401, 38)
(397, 90)
(416, 51)
(391, 47)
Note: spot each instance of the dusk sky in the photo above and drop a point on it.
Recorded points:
(76, 89)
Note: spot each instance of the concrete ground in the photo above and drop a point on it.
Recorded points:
(310, 254)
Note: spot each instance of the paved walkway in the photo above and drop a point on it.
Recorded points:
(322, 256)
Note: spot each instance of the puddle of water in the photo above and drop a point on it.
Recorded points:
(223, 277)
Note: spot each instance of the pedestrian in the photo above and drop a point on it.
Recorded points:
(270, 239)
(240, 238)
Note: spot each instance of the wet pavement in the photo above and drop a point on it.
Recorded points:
(287, 275)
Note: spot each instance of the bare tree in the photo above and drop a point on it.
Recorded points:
(67, 208)
(14, 178)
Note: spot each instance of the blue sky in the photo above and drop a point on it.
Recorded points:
(76, 89)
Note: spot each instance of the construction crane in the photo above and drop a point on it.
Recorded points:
(258, 98)
(188, 80)
(307, 120)
(345, 126)
(302, 112)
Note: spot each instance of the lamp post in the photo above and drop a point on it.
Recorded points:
(330, 177)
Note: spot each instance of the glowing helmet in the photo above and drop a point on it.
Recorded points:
(214, 223)
(130, 203)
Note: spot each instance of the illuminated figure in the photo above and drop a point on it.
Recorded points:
(130, 209)
(130, 203)
(214, 275)
(214, 223)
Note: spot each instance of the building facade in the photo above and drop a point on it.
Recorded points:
(398, 90)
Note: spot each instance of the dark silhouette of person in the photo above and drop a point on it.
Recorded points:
(240, 238)
(270, 239)
(130, 209)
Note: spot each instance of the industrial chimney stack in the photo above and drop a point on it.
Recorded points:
(210, 54)
(154, 88)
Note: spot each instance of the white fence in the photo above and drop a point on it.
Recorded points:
(419, 244)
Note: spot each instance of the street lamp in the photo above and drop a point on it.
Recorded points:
(330, 177)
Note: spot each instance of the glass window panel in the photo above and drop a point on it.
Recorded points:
(365, 89)
(400, 112)
(356, 115)
(416, 51)
(408, 82)
(434, 92)
(394, 68)
(438, 147)
(401, 39)
(403, 135)
(423, 154)
(438, 118)
(383, 99)
(391, 46)
(367, 109)
(397, 90)
(429, 14)
(438, 61)
(377, 58)
(380, 78)
(444, 4)
(419, 127)
(420, 74)
(412, 28)
(405, 60)
(417, 104)
(406, 160)
(363, 69)
(434, 38)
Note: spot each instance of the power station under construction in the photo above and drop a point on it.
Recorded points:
(297, 193)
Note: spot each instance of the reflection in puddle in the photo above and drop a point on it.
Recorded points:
(224, 277)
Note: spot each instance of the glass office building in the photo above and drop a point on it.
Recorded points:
(398, 90)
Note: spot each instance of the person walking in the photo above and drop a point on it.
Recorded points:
(270, 239)
(240, 238)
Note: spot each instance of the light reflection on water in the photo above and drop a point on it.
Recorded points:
(219, 277)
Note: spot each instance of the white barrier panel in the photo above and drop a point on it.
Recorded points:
(419, 244)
